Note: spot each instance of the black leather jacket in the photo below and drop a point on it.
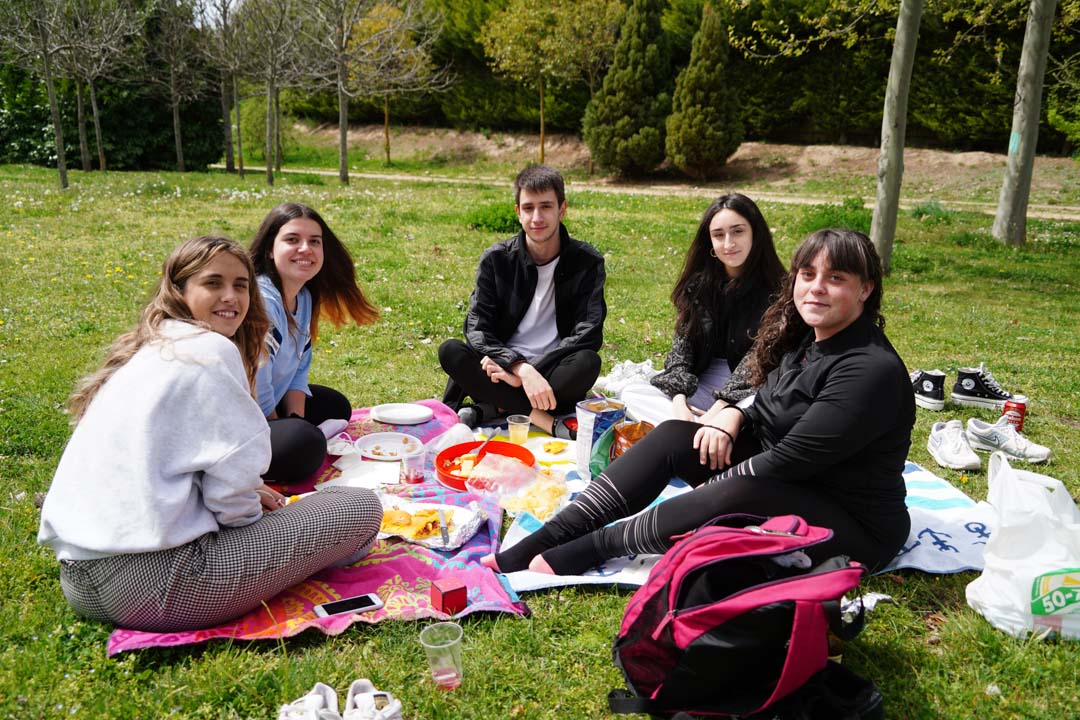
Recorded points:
(505, 284)
(690, 356)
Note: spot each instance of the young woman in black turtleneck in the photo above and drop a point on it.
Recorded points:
(826, 437)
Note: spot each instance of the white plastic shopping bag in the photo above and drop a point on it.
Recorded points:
(1031, 582)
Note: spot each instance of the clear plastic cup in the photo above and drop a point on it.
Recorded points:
(412, 467)
(442, 643)
(519, 428)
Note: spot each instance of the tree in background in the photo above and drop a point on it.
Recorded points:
(272, 41)
(514, 40)
(396, 51)
(224, 51)
(1010, 222)
(174, 48)
(581, 42)
(33, 33)
(890, 169)
(624, 123)
(705, 126)
(102, 37)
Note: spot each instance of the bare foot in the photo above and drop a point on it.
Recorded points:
(540, 565)
(488, 561)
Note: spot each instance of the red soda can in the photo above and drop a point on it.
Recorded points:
(1015, 410)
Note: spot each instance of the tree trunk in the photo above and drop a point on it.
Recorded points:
(386, 127)
(239, 138)
(890, 170)
(1010, 222)
(175, 100)
(226, 115)
(343, 127)
(541, 83)
(58, 130)
(270, 133)
(97, 126)
(80, 115)
(278, 152)
(592, 84)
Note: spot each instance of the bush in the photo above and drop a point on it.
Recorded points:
(624, 123)
(851, 215)
(931, 212)
(704, 128)
(496, 217)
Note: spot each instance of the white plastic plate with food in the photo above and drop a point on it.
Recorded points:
(550, 451)
(402, 413)
(420, 523)
(388, 446)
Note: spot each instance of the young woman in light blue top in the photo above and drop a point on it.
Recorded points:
(304, 272)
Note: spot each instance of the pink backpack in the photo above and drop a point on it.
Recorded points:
(732, 619)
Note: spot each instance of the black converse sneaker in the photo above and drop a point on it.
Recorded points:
(929, 387)
(976, 387)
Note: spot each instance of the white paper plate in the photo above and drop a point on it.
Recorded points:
(402, 413)
(388, 446)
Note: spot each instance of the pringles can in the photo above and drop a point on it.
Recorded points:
(1015, 410)
(594, 416)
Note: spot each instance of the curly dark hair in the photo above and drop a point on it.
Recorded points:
(334, 291)
(703, 277)
(782, 328)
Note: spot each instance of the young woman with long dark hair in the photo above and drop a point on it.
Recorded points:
(305, 273)
(730, 276)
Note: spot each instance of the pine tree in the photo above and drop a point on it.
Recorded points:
(705, 126)
(624, 123)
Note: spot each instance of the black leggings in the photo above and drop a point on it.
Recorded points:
(297, 446)
(569, 380)
(580, 536)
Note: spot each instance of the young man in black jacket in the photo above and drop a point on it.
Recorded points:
(536, 317)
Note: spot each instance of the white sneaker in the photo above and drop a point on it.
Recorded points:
(320, 703)
(364, 702)
(1004, 437)
(949, 446)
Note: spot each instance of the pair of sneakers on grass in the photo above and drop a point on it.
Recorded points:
(953, 446)
(363, 702)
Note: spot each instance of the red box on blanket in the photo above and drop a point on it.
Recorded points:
(449, 595)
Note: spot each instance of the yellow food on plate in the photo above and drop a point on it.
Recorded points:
(461, 466)
(554, 447)
(419, 525)
(542, 499)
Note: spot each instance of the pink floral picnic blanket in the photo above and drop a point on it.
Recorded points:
(399, 572)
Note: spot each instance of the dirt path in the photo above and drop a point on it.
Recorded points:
(1046, 212)
(967, 181)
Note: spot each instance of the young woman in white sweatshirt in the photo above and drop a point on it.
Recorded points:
(157, 511)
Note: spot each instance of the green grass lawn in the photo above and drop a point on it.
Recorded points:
(78, 266)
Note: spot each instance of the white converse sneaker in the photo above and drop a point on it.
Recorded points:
(364, 702)
(320, 703)
(949, 446)
(1003, 436)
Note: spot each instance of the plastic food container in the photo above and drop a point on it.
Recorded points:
(445, 459)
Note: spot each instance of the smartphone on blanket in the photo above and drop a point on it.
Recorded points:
(357, 604)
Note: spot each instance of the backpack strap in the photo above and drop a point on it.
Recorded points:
(624, 702)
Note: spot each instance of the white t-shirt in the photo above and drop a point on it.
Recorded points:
(537, 332)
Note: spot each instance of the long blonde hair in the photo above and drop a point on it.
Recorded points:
(168, 304)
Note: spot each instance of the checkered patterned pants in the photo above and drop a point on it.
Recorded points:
(224, 574)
